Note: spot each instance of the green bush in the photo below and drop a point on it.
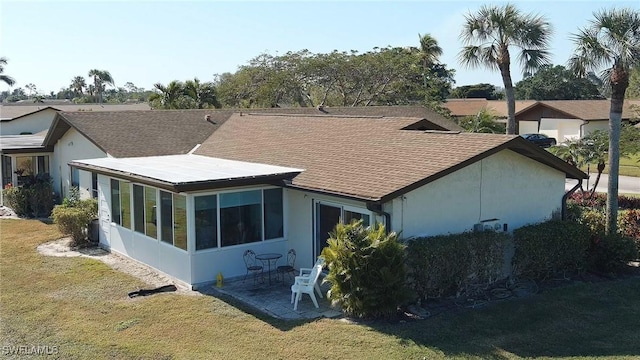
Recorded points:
(17, 199)
(611, 253)
(454, 264)
(366, 270)
(33, 199)
(595, 220)
(550, 248)
(74, 220)
(629, 224)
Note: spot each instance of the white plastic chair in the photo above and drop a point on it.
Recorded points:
(307, 283)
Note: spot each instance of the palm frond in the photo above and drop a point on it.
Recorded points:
(478, 56)
(531, 60)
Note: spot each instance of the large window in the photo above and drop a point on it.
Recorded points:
(180, 221)
(273, 213)
(125, 204)
(150, 215)
(7, 172)
(115, 201)
(166, 217)
(350, 216)
(28, 166)
(138, 208)
(240, 217)
(206, 216)
(121, 203)
(243, 217)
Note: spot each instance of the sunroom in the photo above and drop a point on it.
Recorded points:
(190, 216)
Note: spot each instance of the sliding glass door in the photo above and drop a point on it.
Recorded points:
(327, 215)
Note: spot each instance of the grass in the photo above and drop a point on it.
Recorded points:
(81, 306)
(629, 166)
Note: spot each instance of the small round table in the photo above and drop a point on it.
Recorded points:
(268, 259)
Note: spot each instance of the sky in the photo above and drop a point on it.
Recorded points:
(47, 43)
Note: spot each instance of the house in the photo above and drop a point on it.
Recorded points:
(271, 182)
(90, 134)
(23, 128)
(560, 119)
(570, 119)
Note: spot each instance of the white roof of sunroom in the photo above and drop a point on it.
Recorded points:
(188, 172)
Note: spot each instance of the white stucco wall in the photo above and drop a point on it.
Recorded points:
(72, 146)
(32, 123)
(527, 127)
(561, 129)
(505, 186)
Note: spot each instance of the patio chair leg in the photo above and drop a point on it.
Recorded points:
(313, 298)
(295, 304)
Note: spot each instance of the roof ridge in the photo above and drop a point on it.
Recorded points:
(314, 115)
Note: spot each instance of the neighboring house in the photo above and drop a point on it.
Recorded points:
(89, 135)
(28, 124)
(10, 111)
(25, 154)
(461, 108)
(569, 119)
(271, 182)
(560, 119)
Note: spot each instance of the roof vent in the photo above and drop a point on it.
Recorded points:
(208, 118)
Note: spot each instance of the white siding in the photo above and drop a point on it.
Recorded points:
(505, 186)
(33, 123)
(561, 129)
(71, 146)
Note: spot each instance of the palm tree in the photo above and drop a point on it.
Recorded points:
(100, 78)
(5, 78)
(430, 52)
(612, 41)
(488, 35)
(167, 96)
(78, 84)
(203, 94)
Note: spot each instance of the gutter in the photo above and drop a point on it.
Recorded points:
(566, 196)
(376, 207)
(584, 122)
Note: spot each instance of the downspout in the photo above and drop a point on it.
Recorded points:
(584, 122)
(377, 208)
(566, 196)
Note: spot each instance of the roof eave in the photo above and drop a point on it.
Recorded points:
(178, 187)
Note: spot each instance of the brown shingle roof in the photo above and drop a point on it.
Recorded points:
(366, 158)
(140, 133)
(440, 122)
(585, 109)
(10, 111)
(468, 107)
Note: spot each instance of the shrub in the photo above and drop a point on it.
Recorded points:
(74, 220)
(611, 253)
(599, 200)
(33, 199)
(450, 264)
(629, 224)
(595, 220)
(366, 270)
(549, 248)
(17, 199)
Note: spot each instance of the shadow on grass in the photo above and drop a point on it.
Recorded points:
(586, 320)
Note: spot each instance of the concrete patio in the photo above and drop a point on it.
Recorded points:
(274, 299)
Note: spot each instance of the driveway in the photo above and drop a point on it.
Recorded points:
(626, 184)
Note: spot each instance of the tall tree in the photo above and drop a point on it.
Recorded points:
(482, 91)
(5, 78)
(430, 53)
(556, 83)
(169, 96)
(610, 41)
(100, 79)
(78, 84)
(488, 35)
(204, 94)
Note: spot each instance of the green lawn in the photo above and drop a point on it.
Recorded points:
(81, 306)
(628, 166)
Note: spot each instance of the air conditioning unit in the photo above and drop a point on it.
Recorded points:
(490, 225)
